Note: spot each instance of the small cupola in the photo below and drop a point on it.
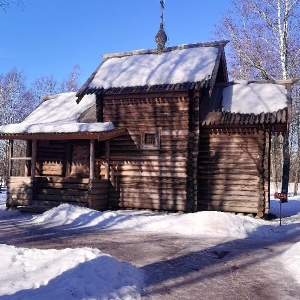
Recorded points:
(161, 36)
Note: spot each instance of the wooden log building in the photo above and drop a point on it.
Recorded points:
(182, 138)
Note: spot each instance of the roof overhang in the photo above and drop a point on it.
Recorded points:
(100, 136)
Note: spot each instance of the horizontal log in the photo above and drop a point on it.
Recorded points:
(57, 179)
(56, 203)
(232, 193)
(212, 182)
(49, 173)
(20, 196)
(63, 186)
(98, 191)
(99, 207)
(64, 192)
(148, 168)
(135, 106)
(225, 198)
(62, 198)
(20, 189)
(154, 186)
(149, 174)
(229, 171)
(231, 202)
(147, 164)
(154, 179)
(153, 191)
(99, 186)
(149, 158)
(246, 165)
(18, 202)
(228, 186)
(50, 169)
(101, 198)
(148, 197)
(18, 180)
(233, 177)
(225, 208)
(160, 206)
(19, 186)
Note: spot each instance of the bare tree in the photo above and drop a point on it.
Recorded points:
(71, 84)
(15, 105)
(265, 40)
(42, 86)
(4, 4)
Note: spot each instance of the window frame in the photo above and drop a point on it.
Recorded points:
(156, 145)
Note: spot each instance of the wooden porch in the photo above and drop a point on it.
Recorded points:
(43, 193)
(52, 175)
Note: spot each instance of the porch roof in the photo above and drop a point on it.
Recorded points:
(59, 117)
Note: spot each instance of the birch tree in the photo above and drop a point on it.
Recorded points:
(43, 86)
(15, 105)
(264, 44)
(71, 84)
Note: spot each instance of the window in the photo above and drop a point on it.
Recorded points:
(150, 140)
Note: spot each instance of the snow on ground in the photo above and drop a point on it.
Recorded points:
(90, 274)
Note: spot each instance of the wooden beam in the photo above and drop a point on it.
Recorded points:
(101, 136)
(107, 157)
(28, 163)
(92, 159)
(10, 155)
(33, 159)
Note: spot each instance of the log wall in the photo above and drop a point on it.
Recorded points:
(149, 178)
(63, 158)
(233, 172)
(19, 191)
(53, 191)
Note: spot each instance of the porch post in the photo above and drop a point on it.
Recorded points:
(92, 159)
(107, 156)
(33, 159)
(10, 155)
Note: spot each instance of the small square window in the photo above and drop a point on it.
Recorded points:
(150, 140)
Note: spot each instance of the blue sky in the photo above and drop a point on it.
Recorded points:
(49, 37)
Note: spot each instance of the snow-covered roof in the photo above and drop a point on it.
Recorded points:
(59, 114)
(172, 67)
(186, 63)
(243, 97)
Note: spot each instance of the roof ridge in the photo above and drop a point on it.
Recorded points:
(167, 49)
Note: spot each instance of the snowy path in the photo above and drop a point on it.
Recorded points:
(178, 266)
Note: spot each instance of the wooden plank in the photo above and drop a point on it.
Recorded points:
(225, 198)
(100, 197)
(56, 203)
(62, 186)
(226, 208)
(165, 206)
(18, 202)
(33, 158)
(92, 159)
(154, 191)
(63, 198)
(99, 186)
(98, 192)
(148, 197)
(228, 171)
(67, 192)
(58, 179)
(233, 177)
